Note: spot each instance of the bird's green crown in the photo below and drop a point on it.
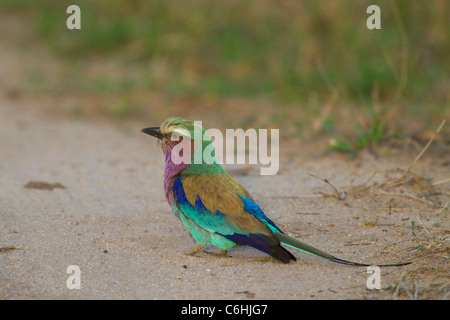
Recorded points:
(177, 129)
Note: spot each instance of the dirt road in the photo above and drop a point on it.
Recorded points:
(99, 205)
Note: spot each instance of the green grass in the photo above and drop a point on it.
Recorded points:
(286, 52)
(374, 133)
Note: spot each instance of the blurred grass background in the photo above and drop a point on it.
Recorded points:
(306, 65)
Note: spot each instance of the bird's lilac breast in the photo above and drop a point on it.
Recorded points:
(171, 173)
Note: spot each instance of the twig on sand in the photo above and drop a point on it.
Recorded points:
(362, 187)
(425, 228)
(370, 178)
(423, 150)
(406, 195)
(340, 195)
(8, 248)
(443, 208)
(295, 197)
(398, 182)
(440, 182)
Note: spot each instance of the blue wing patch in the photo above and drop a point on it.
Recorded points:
(217, 222)
(213, 222)
(254, 209)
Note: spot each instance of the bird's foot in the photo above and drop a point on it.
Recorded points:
(195, 250)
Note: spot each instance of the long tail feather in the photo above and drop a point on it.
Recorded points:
(296, 244)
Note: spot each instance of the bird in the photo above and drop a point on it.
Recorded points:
(215, 208)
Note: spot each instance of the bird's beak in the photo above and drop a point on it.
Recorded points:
(153, 131)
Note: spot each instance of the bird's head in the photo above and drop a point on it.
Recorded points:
(172, 132)
(175, 131)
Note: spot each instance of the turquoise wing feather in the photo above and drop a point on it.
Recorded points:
(244, 225)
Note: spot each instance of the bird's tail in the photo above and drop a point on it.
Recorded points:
(296, 244)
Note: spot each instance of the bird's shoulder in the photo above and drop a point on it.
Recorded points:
(219, 192)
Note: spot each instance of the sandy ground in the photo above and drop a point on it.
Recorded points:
(108, 216)
(88, 192)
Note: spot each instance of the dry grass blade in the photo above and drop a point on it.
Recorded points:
(424, 149)
(8, 248)
(425, 228)
(440, 182)
(370, 178)
(340, 195)
(406, 195)
(443, 208)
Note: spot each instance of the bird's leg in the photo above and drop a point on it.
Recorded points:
(195, 250)
(223, 253)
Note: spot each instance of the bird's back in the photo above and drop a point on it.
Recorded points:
(221, 193)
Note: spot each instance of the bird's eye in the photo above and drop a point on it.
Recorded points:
(176, 136)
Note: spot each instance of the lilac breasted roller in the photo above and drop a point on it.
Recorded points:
(215, 208)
